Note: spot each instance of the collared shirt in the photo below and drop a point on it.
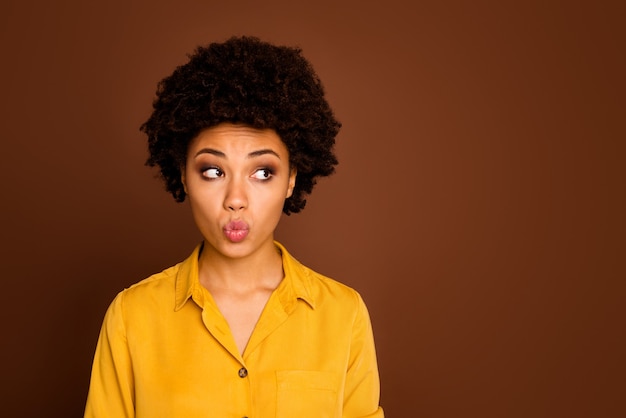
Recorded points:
(165, 350)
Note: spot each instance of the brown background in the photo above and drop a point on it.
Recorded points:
(478, 207)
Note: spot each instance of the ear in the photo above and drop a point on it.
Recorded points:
(183, 179)
(292, 182)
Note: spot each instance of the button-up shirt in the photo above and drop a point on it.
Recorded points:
(165, 350)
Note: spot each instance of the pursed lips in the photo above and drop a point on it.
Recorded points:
(236, 231)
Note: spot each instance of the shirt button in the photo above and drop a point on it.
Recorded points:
(243, 372)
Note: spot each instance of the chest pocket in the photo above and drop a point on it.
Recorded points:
(307, 394)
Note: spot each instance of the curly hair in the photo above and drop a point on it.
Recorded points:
(244, 81)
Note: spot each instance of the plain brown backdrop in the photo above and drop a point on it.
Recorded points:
(478, 205)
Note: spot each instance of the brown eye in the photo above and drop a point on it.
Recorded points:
(212, 173)
(262, 174)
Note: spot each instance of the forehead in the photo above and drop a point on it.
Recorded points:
(232, 139)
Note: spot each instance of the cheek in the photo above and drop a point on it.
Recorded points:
(272, 200)
(203, 205)
(271, 204)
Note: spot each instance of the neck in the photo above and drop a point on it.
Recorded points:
(261, 269)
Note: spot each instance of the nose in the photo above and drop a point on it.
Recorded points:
(236, 197)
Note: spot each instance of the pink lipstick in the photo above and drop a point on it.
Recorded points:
(236, 231)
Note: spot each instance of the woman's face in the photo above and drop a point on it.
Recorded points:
(237, 179)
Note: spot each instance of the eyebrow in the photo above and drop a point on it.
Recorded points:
(253, 154)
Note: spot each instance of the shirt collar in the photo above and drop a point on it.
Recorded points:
(186, 278)
(295, 285)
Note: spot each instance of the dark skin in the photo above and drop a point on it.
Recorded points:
(237, 179)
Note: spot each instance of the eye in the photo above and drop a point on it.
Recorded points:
(212, 173)
(262, 174)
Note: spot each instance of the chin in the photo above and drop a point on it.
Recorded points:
(235, 249)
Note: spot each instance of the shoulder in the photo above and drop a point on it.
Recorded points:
(325, 287)
(320, 290)
(338, 303)
(163, 281)
(156, 291)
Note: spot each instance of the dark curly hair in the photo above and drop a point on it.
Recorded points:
(244, 81)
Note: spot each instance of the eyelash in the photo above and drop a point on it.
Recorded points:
(220, 173)
(270, 173)
(203, 172)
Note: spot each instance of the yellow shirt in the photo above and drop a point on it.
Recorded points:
(166, 351)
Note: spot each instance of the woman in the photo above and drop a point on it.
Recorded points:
(240, 328)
